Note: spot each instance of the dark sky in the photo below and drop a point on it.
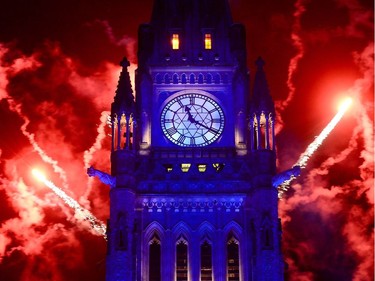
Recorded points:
(58, 73)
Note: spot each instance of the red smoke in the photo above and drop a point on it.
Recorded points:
(57, 112)
(329, 218)
(55, 97)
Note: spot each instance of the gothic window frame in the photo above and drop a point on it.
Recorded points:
(154, 240)
(158, 79)
(200, 79)
(182, 240)
(202, 278)
(217, 78)
(192, 78)
(209, 78)
(175, 78)
(206, 231)
(233, 229)
(232, 239)
(152, 230)
(181, 229)
(184, 78)
(167, 78)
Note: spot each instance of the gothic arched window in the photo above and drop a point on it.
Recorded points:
(233, 260)
(183, 78)
(206, 262)
(192, 78)
(209, 78)
(158, 78)
(200, 78)
(175, 78)
(154, 259)
(167, 79)
(182, 260)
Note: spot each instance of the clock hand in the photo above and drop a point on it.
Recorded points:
(192, 120)
(190, 117)
(206, 127)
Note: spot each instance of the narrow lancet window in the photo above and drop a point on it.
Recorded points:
(175, 41)
(154, 260)
(233, 260)
(207, 41)
(181, 261)
(206, 262)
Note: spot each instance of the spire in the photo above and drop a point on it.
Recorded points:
(124, 99)
(261, 100)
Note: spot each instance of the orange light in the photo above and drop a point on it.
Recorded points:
(39, 175)
(207, 41)
(345, 104)
(175, 41)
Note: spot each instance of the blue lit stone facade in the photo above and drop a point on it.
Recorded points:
(215, 200)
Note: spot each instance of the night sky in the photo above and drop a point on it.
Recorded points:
(59, 67)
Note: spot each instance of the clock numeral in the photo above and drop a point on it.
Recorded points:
(181, 139)
(216, 120)
(205, 138)
(168, 120)
(171, 131)
(192, 99)
(192, 141)
(212, 110)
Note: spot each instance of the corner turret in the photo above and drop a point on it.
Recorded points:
(123, 112)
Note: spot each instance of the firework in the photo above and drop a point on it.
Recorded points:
(305, 156)
(82, 213)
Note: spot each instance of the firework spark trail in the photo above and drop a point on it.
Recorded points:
(305, 156)
(82, 213)
(18, 65)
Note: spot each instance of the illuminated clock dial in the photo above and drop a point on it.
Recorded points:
(192, 120)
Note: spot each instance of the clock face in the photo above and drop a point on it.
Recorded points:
(192, 120)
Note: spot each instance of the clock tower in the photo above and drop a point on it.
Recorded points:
(193, 155)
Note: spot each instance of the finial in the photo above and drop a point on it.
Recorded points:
(260, 63)
(124, 99)
(124, 62)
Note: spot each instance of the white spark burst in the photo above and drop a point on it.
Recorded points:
(82, 213)
(305, 156)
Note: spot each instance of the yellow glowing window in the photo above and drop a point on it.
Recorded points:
(202, 168)
(168, 167)
(175, 42)
(185, 167)
(218, 166)
(207, 41)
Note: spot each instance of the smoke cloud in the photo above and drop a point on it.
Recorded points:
(340, 215)
(56, 108)
(58, 79)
